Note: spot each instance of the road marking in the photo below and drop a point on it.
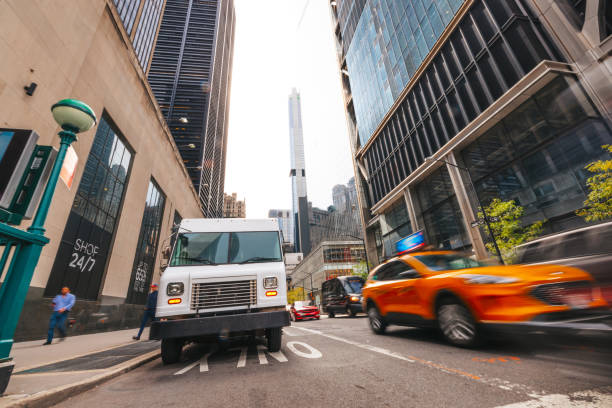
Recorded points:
(203, 362)
(494, 382)
(290, 333)
(580, 399)
(242, 358)
(493, 360)
(363, 346)
(312, 352)
(261, 353)
(184, 370)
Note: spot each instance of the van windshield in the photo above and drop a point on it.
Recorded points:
(354, 285)
(214, 248)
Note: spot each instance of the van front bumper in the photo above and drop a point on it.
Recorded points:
(227, 324)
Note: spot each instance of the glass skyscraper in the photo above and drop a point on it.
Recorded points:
(298, 176)
(190, 76)
(490, 86)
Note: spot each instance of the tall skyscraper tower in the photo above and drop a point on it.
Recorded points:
(298, 175)
(190, 75)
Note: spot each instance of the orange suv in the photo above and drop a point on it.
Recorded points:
(459, 295)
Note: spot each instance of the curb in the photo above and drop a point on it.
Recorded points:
(59, 394)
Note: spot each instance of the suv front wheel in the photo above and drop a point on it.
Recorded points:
(457, 324)
(274, 338)
(377, 322)
(171, 350)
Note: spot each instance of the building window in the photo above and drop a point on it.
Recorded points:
(82, 255)
(495, 45)
(146, 250)
(399, 226)
(444, 226)
(127, 10)
(537, 154)
(145, 32)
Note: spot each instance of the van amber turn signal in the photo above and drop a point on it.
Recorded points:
(174, 301)
(271, 293)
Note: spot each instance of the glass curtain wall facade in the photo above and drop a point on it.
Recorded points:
(419, 78)
(141, 22)
(190, 76)
(146, 250)
(81, 259)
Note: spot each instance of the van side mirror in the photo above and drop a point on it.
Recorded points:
(166, 253)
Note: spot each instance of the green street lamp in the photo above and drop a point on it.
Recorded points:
(74, 117)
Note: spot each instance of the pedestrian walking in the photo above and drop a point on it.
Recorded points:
(62, 304)
(149, 312)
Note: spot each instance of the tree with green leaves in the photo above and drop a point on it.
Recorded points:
(598, 205)
(361, 269)
(505, 220)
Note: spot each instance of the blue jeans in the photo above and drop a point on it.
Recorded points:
(57, 320)
(148, 314)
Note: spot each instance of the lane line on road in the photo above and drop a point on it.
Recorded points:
(581, 399)
(494, 382)
(312, 352)
(242, 358)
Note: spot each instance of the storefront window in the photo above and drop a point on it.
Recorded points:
(144, 261)
(82, 255)
(537, 154)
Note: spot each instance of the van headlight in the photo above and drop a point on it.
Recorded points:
(175, 289)
(270, 282)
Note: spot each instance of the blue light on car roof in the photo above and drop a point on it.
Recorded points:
(410, 243)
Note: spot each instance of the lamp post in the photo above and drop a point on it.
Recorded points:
(484, 214)
(74, 117)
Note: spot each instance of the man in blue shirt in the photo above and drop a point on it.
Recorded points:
(149, 312)
(61, 306)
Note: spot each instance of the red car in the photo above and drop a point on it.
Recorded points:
(302, 311)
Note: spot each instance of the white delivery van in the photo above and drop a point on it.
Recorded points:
(224, 277)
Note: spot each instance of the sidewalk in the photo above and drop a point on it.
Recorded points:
(47, 374)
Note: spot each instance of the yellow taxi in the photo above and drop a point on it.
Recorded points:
(460, 295)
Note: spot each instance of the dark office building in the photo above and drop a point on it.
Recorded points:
(190, 76)
(509, 99)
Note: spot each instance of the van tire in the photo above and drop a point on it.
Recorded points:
(350, 312)
(274, 337)
(171, 350)
(331, 314)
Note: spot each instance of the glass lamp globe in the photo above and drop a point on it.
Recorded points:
(73, 115)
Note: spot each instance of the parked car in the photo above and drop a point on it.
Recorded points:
(461, 296)
(588, 248)
(342, 295)
(303, 310)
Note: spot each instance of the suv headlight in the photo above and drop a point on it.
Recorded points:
(175, 289)
(270, 282)
(487, 279)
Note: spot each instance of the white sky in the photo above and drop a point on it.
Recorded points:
(272, 54)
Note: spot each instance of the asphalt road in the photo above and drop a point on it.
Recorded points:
(340, 363)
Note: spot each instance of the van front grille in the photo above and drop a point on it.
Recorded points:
(223, 294)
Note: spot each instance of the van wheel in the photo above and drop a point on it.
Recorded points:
(171, 350)
(377, 322)
(331, 314)
(457, 323)
(274, 338)
(350, 312)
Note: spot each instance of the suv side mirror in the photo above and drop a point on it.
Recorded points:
(408, 274)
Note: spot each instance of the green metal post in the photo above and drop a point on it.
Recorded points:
(37, 227)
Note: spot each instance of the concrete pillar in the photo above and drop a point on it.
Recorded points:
(466, 207)
(592, 28)
(413, 207)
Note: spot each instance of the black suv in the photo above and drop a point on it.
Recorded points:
(342, 295)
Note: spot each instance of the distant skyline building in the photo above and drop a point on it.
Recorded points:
(298, 175)
(232, 207)
(285, 221)
(517, 93)
(190, 75)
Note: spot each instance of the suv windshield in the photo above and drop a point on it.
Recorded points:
(353, 285)
(213, 248)
(448, 262)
